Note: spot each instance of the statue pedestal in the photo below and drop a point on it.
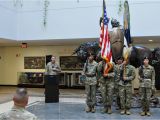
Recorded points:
(51, 88)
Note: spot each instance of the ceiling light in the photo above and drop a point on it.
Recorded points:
(150, 40)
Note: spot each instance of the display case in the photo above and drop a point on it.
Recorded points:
(71, 79)
(30, 78)
(68, 79)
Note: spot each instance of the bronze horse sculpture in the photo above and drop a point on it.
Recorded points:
(156, 64)
(137, 54)
(117, 43)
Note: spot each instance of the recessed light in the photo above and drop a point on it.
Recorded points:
(150, 40)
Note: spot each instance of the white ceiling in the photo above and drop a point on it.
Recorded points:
(136, 40)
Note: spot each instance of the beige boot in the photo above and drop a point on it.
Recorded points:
(122, 112)
(109, 110)
(104, 110)
(142, 113)
(148, 113)
(88, 109)
(93, 109)
(128, 112)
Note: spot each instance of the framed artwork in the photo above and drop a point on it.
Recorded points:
(34, 62)
(71, 63)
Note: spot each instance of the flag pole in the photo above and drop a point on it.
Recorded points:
(104, 41)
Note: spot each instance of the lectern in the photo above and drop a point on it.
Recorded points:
(51, 88)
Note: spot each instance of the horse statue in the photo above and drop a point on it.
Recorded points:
(156, 64)
(137, 54)
(117, 43)
(86, 48)
(156, 56)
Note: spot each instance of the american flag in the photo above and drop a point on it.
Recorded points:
(104, 41)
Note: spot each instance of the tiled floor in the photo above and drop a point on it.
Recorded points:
(6, 93)
(75, 111)
(70, 107)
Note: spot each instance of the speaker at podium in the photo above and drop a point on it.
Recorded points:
(51, 88)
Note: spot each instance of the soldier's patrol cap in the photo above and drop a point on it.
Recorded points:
(145, 58)
(120, 58)
(91, 54)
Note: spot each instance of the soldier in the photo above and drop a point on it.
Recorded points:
(106, 86)
(90, 83)
(119, 61)
(147, 84)
(52, 68)
(99, 84)
(127, 74)
(18, 112)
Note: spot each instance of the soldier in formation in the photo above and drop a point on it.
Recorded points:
(119, 62)
(127, 74)
(147, 85)
(106, 86)
(90, 83)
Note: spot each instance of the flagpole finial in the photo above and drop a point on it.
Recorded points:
(100, 21)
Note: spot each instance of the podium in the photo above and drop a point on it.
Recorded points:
(51, 88)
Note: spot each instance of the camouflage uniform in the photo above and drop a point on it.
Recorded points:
(18, 113)
(125, 87)
(147, 84)
(52, 69)
(106, 87)
(99, 71)
(116, 84)
(90, 83)
(99, 84)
